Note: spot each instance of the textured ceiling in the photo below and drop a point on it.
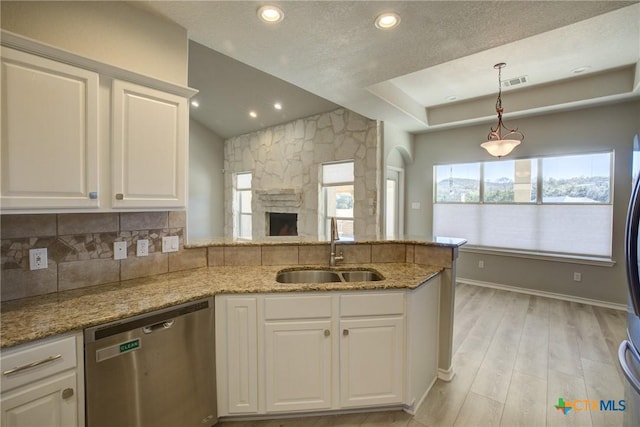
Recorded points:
(332, 49)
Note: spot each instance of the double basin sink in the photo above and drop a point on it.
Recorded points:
(327, 276)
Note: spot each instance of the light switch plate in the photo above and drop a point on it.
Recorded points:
(170, 244)
(119, 250)
(142, 247)
(38, 259)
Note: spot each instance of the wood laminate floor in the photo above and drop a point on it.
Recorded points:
(514, 356)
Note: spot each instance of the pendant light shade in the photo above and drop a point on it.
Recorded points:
(498, 145)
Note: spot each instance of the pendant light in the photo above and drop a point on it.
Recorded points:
(498, 145)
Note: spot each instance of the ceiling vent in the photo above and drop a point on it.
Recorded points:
(515, 81)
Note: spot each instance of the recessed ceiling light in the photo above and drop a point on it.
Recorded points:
(277, 106)
(580, 69)
(270, 14)
(253, 114)
(387, 20)
(195, 103)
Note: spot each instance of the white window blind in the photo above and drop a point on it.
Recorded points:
(560, 204)
(571, 229)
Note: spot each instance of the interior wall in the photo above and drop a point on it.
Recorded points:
(112, 32)
(587, 130)
(395, 139)
(205, 214)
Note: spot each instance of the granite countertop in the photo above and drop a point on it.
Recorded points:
(448, 242)
(39, 317)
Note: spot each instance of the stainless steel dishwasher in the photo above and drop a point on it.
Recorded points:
(153, 370)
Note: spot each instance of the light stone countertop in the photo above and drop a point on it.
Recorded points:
(34, 318)
(447, 242)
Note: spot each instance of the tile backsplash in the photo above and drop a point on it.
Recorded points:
(80, 249)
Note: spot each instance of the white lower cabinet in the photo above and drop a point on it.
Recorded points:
(297, 365)
(49, 402)
(43, 384)
(371, 361)
(237, 354)
(309, 352)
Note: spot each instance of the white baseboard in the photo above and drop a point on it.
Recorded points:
(413, 408)
(543, 294)
(446, 374)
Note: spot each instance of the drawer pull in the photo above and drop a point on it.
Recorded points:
(327, 332)
(32, 364)
(67, 393)
(345, 332)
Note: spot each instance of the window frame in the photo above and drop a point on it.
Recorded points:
(324, 197)
(547, 251)
(238, 212)
(539, 181)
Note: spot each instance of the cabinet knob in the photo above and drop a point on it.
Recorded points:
(345, 332)
(93, 195)
(327, 332)
(67, 393)
(119, 196)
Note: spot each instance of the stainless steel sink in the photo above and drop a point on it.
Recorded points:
(327, 276)
(307, 276)
(360, 276)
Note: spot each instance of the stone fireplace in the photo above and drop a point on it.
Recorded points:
(276, 212)
(285, 161)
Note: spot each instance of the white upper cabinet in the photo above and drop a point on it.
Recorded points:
(78, 135)
(49, 155)
(149, 147)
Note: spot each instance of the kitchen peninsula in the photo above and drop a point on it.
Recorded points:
(249, 270)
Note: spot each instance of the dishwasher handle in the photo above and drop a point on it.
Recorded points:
(158, 326)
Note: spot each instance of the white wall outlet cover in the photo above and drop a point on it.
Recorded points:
(119, 250)
(38, 259)
(170, 244)
(142, 247)
(415, 205)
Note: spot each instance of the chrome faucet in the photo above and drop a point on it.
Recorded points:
(334, 239)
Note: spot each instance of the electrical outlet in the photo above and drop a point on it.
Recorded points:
(577, 277)
(481, 264)
(119, 250)
(142, 247)
(38, 259)
(170, 244)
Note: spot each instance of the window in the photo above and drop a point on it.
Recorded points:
(243, 206)
(551, 204)
(337, 192)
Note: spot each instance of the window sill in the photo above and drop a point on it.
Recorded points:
(557, 257)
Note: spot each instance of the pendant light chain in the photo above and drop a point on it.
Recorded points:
(499, 100)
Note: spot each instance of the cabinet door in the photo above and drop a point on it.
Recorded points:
(51, 402)
(150, 132)
(298, 365)
(371, 361)
(237, 355)
(49, 154)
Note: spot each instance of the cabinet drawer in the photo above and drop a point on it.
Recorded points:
(297, 307)
(372, 304)
(31, 362)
